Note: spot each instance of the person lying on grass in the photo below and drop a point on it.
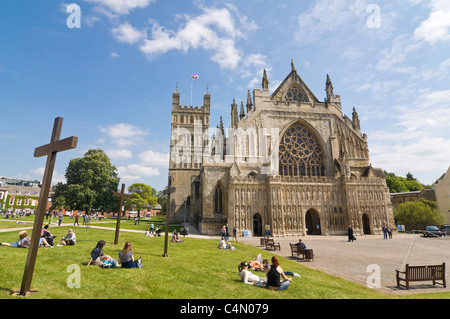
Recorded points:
(25, 241)
(248, 277)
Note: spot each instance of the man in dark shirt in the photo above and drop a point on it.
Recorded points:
(300, 243)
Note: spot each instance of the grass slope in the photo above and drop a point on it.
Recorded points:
(195, 269)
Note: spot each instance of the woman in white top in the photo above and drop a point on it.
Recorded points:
(248, 277)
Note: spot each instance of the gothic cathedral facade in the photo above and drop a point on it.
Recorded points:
(289, 165)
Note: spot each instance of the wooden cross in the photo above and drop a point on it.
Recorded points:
(50, 150)
(168, 191)
(122, 196)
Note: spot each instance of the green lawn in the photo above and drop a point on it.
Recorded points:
(195, 269)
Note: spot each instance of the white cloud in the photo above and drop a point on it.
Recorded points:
(149, 164)
(121, 6)
(123, 134)
(437, 27)
(397, 57)
(419, 141)
(38, 174)
(120, 154)
(152, 158)
(214, 30)
(136, 172)
(114, 55)
(329, 17)
(127, 34)
(427, 158)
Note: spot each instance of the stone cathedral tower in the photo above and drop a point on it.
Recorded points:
(290, 165)
(189, 126)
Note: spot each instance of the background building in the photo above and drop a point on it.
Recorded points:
(19, 195)
(442, 191)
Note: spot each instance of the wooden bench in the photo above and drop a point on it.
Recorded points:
(270, 244)
(422, 273)
(297, 249)
(307, 253)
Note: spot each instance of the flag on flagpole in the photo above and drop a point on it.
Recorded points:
(192, 78)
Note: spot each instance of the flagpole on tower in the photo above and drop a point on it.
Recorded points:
(192, 78)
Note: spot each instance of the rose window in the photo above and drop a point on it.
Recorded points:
(300, 153)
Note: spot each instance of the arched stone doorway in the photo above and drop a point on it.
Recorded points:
(366, 224)
(312, 220)
(257, 225)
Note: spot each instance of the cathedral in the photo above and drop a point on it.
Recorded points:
(289, 165)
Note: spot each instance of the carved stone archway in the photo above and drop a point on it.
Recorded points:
(312, 221)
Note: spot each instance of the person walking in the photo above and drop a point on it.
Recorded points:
(389, 231)
(60, 218)
(223, 232)
(350, 233)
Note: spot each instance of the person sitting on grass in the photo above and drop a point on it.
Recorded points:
(69, 239)
(222, 244)
(229, 246)
(97, 255)
(248, 277)
(45, 233)
(25, 241)
(274, 273)
(126, 257)
(289, 273)
(176, 237)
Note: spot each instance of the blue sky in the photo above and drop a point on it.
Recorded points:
(112, 78)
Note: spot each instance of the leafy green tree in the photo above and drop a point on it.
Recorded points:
(395, 185)
(162, 200)
(91, 182)
(413, 185)
(415, 215)
(141, 196)
(58, 202)
(398, 184)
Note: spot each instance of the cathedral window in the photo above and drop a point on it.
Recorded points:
(295, 94)
(300, 153)
(218, 200)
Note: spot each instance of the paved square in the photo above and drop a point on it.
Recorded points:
(350, 260)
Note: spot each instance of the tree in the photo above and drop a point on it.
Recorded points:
(162, 200)
(58, 202)
(141, 195)
(418, 214)
(91, 182)
(398, 184)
